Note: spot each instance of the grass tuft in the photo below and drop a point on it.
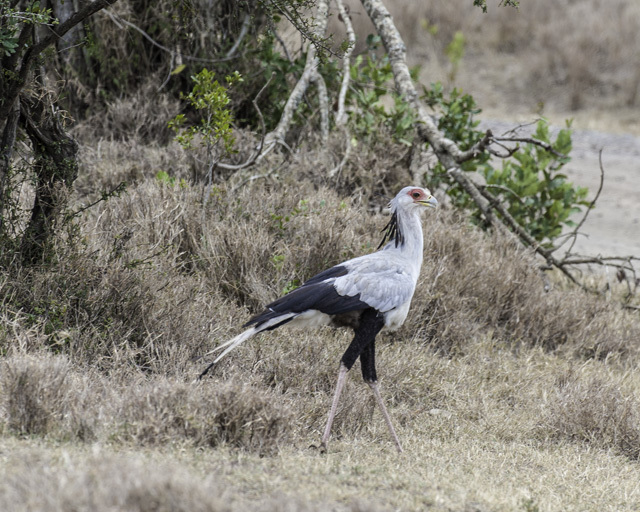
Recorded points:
(596, 411)
(33, 392)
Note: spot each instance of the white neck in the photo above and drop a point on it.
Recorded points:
(411, 247)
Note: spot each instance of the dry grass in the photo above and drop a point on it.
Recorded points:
(33, 393)
(493, 382)
(43, 396)
(103, 482)
(611, 421)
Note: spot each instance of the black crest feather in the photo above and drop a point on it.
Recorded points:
(392, 232)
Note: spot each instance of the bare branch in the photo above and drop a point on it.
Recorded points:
(516, 129)
(489, 138)
(478, 148)
(323, 101)
(509, 151)
(308, 75)
(527, 238)
(347, 153)
(530, 140)
(341, 116)
(282, 43)
(485, 204)
(244, 29)
(574, 234)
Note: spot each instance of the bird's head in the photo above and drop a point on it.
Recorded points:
(413, 197)
(409, 201)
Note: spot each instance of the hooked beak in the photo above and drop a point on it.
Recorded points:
(432, 202)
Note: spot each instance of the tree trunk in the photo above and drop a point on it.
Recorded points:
(55, 164)
(55, 167)
(69, 46)
(6, 153)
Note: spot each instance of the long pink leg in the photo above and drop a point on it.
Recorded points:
(342, 374)
(387, 418)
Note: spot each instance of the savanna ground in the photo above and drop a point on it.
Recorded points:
(505, 396)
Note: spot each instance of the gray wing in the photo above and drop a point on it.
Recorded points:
(381, 282)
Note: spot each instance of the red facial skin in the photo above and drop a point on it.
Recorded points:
(417, 195)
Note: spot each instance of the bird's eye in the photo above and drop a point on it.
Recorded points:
(415, 195)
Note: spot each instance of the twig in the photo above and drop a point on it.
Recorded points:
(477, 148)
(254, 157)
(519, 127)
(115, 191)
(347, 153)
(574, 233)
(266, 175)
(169, 73)
(530, 140)
(523, 235)
(282, 43)
(505, 189)
(602, 260)
(509, 151)
(115, 18)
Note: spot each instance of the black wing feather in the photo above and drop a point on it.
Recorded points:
(313, 294)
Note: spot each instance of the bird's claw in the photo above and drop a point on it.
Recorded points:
(322, 447)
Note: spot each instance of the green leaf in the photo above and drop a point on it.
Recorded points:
(179, 69)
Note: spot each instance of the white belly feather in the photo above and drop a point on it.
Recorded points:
(395, 318)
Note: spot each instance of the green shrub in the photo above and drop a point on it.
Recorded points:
(530, 183)
(210, 100)
(539, 196)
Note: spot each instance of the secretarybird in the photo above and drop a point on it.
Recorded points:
(366, 293)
